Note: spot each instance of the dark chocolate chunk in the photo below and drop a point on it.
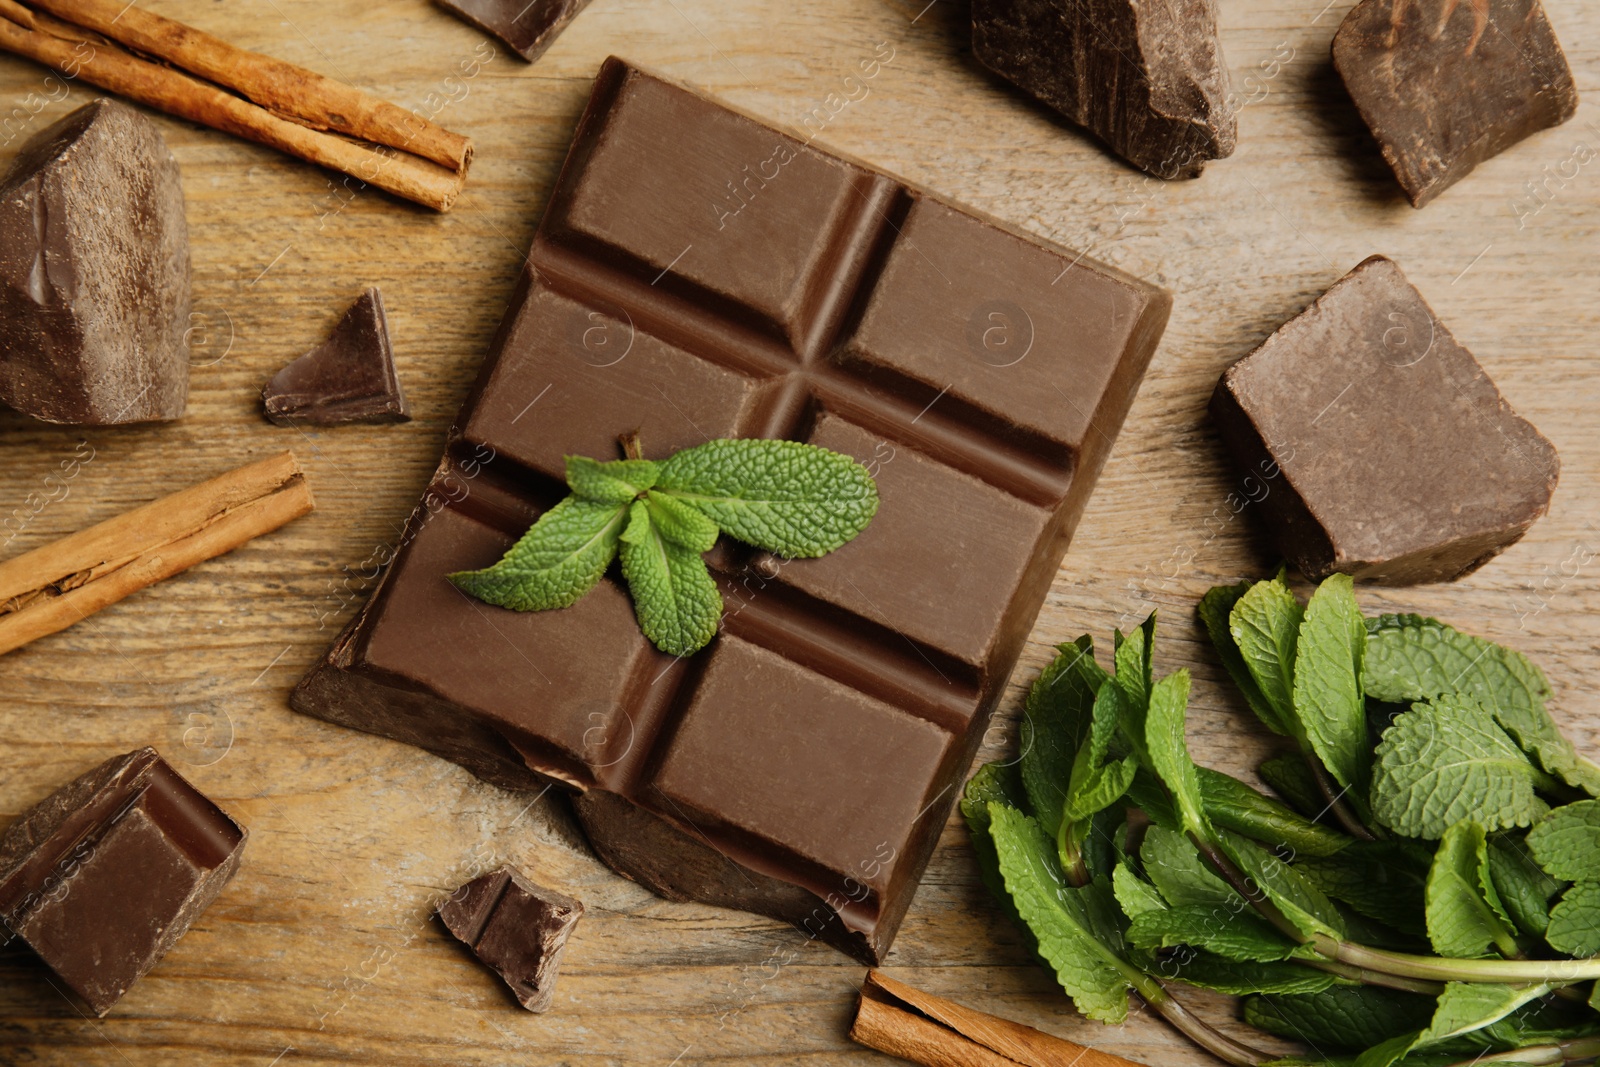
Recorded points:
(350, 377)
(1147, 78)
(1382, 448)
(1446, 84)
(103, 876)
(527, 27)
(517, 928)
(94, 273)
(701, 275)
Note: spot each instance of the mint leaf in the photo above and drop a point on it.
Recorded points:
(1135, 896)
(1567, 841)
(617, 482)
(1382, 880)
(1575, 922)
(1465, 916)
(1134, 660)
(1414, 658)
(674, 596)
(1183, 878)
(1075, 928)
(793, 499)
(1342, 1017)
(1243, 935)
(1292, 780)
(1233, 805)
(1301, 902)
(1328, 700)
(1056, 720)
(1215, 611)
(1524, 888)
(559, 559)
(680, 523)
(994, 783)
(1447, 761)
(1210, 971)
(1265, 624)
(1463, 1008)
(1169, 750)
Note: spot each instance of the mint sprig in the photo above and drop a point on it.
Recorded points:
(792, 499)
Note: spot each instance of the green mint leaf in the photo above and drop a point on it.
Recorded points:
(1096, 784)
(1444, 762)
(994, 783)
(1465, 916)
(1265, 624)
(1382, 880)
(1463, 1008)
(559, 559)
(793, 499)
(1301, 902)
(1184, 879)
(1134, 660)
(1215, 611)
(1233, 805)
(1169, 750)
(1342, 1017)
(1056, 722)
(1151, 797)
(617, 482)
(1243, 935)
(680, 523)
(674, 596)
(1575, 922)
(1566, 843)
(1413, 658)
(1075, 928)
(1210, 971)
(1327, 697)
(1524, 888)
(1135, 896)
(1292, 780)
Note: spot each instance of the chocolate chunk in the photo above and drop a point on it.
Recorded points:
(103, 876)
(1446, 84)
(1382, 448)
(349, 377)
(700, 275)
(94, 273)
(527, 27)
(1147, 78)
(517, 928)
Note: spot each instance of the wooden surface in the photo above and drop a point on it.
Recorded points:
(322, 950)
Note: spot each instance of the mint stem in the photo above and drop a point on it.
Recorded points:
(632, 448)
(1375, 978)
(1439, 969)
(1072, 863)
(1197, 1029)
(1247, 888)
(1336, 802)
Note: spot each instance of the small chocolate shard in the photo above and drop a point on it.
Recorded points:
(1376, 444)
(94, 273)
(1445, 84)
(518, 929)
(103, 876)
(1148, 79)
(350, 377)
(527, 27)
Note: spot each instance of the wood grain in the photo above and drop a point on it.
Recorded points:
(322, 952)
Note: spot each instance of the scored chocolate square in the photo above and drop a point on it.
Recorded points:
(697, 275)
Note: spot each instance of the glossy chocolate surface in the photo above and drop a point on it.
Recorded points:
(517, 928)
(700, 275)
(527, 27)
(350, 377)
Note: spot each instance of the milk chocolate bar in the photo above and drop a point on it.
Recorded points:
(698, 275)
(518, 929)
(103, 876)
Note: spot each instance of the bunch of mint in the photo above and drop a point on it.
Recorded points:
(793, 499)
(1423, 890)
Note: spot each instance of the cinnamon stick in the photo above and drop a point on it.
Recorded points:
(52, 587)
(906, 1022)
(80, 53)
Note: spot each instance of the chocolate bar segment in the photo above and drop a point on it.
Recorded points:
(527, 27)
(517, 928)
(1444, 85)
(1382, 448)
(700, 275)
(102, 877)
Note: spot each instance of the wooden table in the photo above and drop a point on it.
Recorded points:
(322, 950)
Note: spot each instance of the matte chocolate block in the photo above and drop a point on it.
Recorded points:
(103, 876)
(1444, 85)
(1383, 448)
(518, 929)
(1148, 79)
(94, 273)
(527, 27)
(350, 377)
(699, 275)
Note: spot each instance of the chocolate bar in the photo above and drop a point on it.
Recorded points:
(518, 929)
(1445, 85)
(94, 273)
(103, 876)
(1148, 79)
(698, 275)
(527, 27)
(1375, 443)
(350, 377)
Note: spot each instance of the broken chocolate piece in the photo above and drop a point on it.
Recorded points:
(516, 928)
(103, 876)
(701, 275)
(527, 27)
(1445, 84)
(94, 273)
(1382, 448)
(1148, 79)
(350, 377)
